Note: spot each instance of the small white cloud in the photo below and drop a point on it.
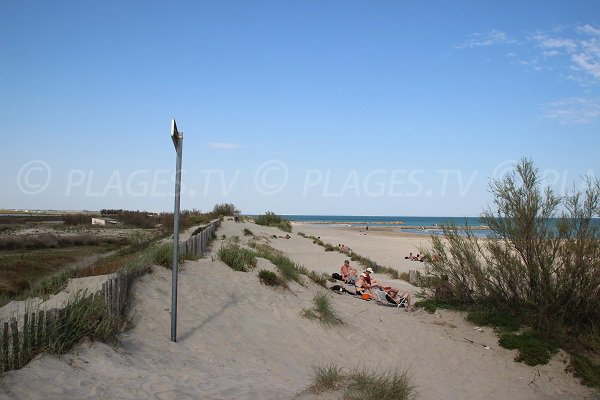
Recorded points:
(551, 53)
(223, 146)
(590, 30)
(570, 51)
(573, 111)
(587, 63)
(486, 39)
(555, 43)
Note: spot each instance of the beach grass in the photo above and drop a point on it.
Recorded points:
(364, 383)
(84, 316)
(328, 377)
(370, 384)
(323, 311)
(288, 268)
(238, 258)
(270, 278)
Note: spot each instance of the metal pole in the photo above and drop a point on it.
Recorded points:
(178, 145)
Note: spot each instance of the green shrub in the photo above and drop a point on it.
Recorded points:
(533, 347)
(329, 247)
(285, 226)
(274, 220)
(248, 232)
(586, 370)
(541, 259)
(428, 305)
(269, 278)
(226, 209)
(236, 257)
(538, 254)
(495, 317)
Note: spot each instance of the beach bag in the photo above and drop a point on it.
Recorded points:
(338, 289)
(336, 276)
(365, 296)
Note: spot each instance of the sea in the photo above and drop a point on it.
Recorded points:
(408, 224)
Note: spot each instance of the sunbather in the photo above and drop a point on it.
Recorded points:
(394, 295)
(365, 283)
(348, 272)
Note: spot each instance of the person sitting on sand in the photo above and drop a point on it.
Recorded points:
(409, 257)
(348, 272)
(394, 295)
(366, 283)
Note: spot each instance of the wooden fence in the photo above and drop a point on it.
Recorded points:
(22, 338)
(30, 334)
(197, 244)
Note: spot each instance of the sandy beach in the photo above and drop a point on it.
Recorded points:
(239, 339)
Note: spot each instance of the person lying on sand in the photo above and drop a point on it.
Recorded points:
(394, 295)
(348, 272)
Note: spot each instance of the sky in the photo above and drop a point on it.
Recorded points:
(405, 108)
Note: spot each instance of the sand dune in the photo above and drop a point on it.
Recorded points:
(238, 339)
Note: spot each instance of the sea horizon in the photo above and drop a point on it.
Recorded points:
(384, 220)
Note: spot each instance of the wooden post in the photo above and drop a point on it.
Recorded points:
(16, 351)
(26, 338)
(41, 329)
(110, 297)
(5, 364)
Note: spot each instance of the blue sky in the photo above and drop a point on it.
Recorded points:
(299, 107)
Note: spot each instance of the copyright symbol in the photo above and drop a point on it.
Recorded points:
(503, 168)
(271, 177)
(34, 177)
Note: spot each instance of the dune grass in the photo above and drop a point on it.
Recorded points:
(329, 377)
(363, 383)
(270, 278)
(85, 316)
(57, 331)
(323, 311)
(237, 257)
